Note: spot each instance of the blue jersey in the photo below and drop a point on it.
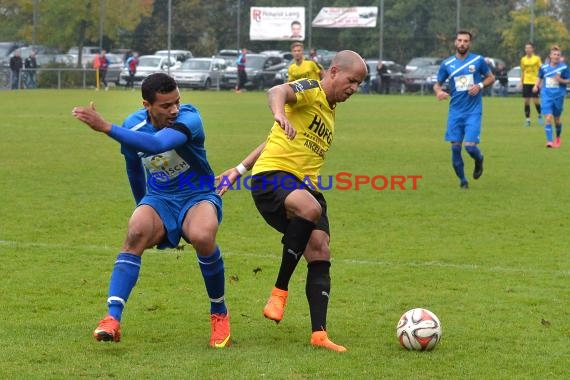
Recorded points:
(462, 74)
(551, 88)
(178, 173)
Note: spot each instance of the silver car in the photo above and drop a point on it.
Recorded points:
(149, 64)
(200, 72)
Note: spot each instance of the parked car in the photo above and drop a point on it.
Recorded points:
(40, 50)
(5, 49)
(395, 71)
(149, 64)
(417, 62)
(286, 55)
(179, 55)
(514, 78)
(44, 60)
(87, 54)
(116, 65)
(200, 72)
(260, 69)
(421, 79)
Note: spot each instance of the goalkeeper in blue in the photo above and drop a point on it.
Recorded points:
(468, 74)
(552, 80)
(163, 146)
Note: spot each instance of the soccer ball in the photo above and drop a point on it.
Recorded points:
(418, 329)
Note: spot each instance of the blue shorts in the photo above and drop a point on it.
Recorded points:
(463, 127)
(552, 106)
(172, 212)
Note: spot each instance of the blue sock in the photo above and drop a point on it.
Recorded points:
(457, 162)
(474, 152)
(548, 131)
(123, 279)
(558, 130)
(212, 268)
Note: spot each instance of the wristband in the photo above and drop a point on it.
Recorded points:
(241, 169)
(480, 84)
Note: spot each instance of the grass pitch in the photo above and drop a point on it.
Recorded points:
(492, 262)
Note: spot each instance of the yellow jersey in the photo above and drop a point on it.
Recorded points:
(529, 68)
(307, 69)
(313, 118)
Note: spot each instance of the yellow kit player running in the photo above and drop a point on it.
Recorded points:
(301, 67)
(530, 64)
(285, 185)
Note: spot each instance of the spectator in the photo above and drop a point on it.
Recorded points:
(30, 74)
(16, 65)
(503, 79)
(132, 63)
(242, 75)
(103, 66)
(383, 77)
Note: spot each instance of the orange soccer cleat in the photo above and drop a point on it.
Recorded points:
(275, 306)
(109, 329)
(220, 330)
(321, 339)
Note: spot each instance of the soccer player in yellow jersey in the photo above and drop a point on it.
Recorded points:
(285, 186)
(530, 64)
(301, 67)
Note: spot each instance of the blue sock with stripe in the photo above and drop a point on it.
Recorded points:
(457, 162)
(212, 268)
(123, 279)
(548, 131)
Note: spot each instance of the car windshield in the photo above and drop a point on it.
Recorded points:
(193, 64)
(515, 72)
(255, 61)
(149, 61)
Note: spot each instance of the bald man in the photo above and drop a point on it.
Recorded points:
(286, 186)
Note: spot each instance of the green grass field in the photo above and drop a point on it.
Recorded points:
(492, 262)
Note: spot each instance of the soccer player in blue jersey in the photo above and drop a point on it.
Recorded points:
(468, 75)
(166, 164)
(552, 80)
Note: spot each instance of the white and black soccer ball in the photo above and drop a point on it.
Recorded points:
(418, 329)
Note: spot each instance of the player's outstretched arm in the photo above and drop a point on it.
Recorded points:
(277, 97)
(230, 176)
(165, 139)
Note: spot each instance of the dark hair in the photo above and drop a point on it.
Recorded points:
(157, 83)
(464, 32)
(296, 23)
(529, 43)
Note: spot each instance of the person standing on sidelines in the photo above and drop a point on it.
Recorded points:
(241, 73)
(31, 65)
(293, 154)
(552, 80)
(103, 66)
(132, 63)
(16, 65)
(530, 64)
(468, 75)
(166, 163)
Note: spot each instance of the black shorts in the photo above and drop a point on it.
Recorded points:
(269, 197)
(527, 91)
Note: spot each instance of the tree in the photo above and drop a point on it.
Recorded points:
(63, 24)
(548, 30)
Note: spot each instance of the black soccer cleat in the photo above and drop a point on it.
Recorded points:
(478, 171)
